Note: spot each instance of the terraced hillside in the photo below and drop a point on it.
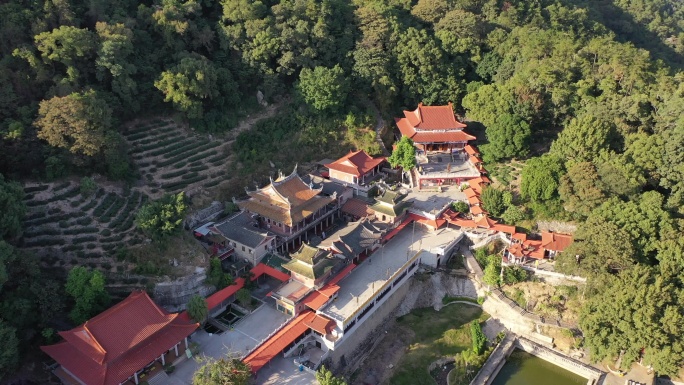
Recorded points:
(171, 160)
(66, 228)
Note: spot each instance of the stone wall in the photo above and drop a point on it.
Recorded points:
(561, 360)
(174, 295)
(426, 289)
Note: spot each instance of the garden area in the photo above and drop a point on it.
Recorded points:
(434, 335)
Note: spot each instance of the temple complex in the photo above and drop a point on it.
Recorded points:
(121, 344)
(441, 146)
(288, 208)
(357, 169)
(310, 267)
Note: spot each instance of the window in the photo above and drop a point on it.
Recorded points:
(249, 251)
(243, 248)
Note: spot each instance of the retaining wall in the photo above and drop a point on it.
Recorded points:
(595, 376)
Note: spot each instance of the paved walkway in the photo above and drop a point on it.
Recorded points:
(283, 371)
(247, 333)
(492, 365)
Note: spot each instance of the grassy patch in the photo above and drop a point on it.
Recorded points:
(436, 335)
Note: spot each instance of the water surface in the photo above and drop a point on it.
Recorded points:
(522, 368)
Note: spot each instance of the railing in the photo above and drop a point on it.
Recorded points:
(559, 359)
(315, 222)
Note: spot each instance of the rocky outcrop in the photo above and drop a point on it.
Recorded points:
(428, 289)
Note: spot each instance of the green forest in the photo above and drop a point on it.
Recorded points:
(585, 96)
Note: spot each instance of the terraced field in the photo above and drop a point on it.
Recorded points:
(66, 228)
(171, 160)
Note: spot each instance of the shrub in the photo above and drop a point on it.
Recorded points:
(87, 186)
(514, 274)
(479, 339)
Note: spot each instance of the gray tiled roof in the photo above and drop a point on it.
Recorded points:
(240, 229)
(329, 187)
(354, 238)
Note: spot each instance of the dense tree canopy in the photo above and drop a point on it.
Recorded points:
(161, 218)
(324, 89)
(12, 208)
(224, 371)
(540, 178)
(197, 309)
(588, 94)
(87, 289)
(77, 122)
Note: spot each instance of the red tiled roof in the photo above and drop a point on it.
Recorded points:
(469, 192)
(456, 219)
(355, 163)
(485, 222)
(477, 210)
(396, 230)
(432, 124)
(123, 339)
(341, 274)
(555, 241)
(320, 324)
(520, 237)
(474, 200)
(356, 208)
(274, 345)
(504, 228)
(437, 137)
(474, 160)
(433, 117)
(434, 223)
(261, 269)
(471, 150)
(476, 183)
(329, 290)
(316, 300)
(529, 248)
(225, 293)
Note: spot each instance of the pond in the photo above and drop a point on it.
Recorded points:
(522, 368)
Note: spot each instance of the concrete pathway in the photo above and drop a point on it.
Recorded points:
(495, 361)
(283, 371)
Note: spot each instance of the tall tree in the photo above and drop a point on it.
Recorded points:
(423, 69)
(223, 371)
(78, 122)
(189, 84)
(599, 246)
(197, 309)
(633, 311)
(508, 137)
(114, 62)
(404, 155)
(493, 201)
(69, 46)
(9, 354)
(581, 189)
(87, 289)
(540, 178)
(161, 218)
(324, 89)
(583, 139)
(12, 207)
(326, 377)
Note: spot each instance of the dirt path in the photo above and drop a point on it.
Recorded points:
(379, 125)
(253, 119)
